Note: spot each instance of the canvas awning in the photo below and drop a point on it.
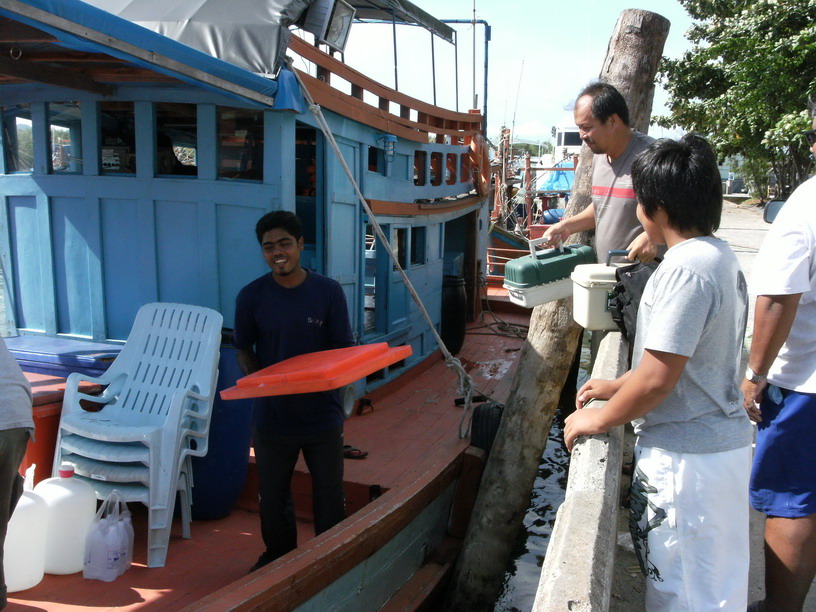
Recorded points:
(252, 34)
(71, 44)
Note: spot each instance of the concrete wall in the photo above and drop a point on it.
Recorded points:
(578, 568)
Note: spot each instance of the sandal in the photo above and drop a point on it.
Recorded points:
(349, 452)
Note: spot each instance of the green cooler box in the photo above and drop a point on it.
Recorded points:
(544, 276)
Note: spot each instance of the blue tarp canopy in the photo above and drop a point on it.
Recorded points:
(79, 27)
(558, 180)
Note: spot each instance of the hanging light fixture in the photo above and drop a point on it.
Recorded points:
(388, 142)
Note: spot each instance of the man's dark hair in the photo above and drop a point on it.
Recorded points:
(682, 178)
(288, 221)
(606, 101)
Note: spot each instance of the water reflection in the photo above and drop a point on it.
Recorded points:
(521, 578)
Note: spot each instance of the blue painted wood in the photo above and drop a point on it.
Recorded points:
(178, 248)
(2, 143)
(125, 264)
(40, 137)
(239, 255)
(89, 112)
(145, 119)
(369, 585)
(26, 266)
(342, 230)
(75, 239)
(207, 149)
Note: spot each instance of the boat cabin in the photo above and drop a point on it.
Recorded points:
(134, 168)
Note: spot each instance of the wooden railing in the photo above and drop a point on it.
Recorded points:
(417, 120)
(497, 259)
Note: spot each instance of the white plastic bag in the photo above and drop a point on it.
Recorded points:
(109, 543)
(126, 527)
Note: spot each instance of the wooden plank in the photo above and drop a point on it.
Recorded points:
(382, 207)
(348, 106)
(39, 73)
(298, 576)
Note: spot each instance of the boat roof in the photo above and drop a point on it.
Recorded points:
(253, 34)
(78, 45)
(71, 44)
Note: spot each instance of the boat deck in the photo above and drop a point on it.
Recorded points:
(412, 426)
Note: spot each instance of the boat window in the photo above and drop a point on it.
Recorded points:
(451, 164)
(464, 173)
(572, 139)
(176, 139)
(306, 183)
(18, 144)
(436, 169)
(420, 161)
(65, 138)
(399, 244)
(240, 144)
(376, 160)
(417, 246)
(117, 123)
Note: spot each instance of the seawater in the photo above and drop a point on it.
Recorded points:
(521, 577)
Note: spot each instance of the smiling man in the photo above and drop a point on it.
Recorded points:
(287, 312)
(602, 118)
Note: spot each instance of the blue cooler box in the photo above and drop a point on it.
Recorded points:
(62, 356)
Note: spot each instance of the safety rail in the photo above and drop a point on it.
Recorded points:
(497, 259)
(416, 120)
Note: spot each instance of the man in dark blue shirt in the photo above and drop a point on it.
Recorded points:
(289, 312)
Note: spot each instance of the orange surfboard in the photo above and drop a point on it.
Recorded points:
(318, 371)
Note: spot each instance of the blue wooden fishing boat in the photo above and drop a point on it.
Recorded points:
(138, 154)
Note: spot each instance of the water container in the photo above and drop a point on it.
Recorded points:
(24, 550)
(454, 313)
(71, 509)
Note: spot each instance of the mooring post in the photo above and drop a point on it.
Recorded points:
(631, 64)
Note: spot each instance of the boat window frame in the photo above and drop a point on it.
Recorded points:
(5, 136)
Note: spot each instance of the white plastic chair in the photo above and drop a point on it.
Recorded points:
(154, 415)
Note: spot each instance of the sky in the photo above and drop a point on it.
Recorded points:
(540, 55)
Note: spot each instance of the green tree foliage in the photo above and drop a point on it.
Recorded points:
(545, 147)
(746, 81)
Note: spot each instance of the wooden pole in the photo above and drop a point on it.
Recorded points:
(504, 495)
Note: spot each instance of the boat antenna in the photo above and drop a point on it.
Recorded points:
(433, 67)
(473, 27)
(394, 39)
(515, 108)
(466, 386)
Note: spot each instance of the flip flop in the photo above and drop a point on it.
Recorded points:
(349, 452)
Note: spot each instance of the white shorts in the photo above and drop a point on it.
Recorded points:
(689, 524)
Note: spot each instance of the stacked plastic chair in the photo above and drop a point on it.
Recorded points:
(153, 415)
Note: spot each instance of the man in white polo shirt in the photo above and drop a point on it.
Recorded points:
(780, 396)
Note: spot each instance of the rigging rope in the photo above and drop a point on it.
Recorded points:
(465, 382)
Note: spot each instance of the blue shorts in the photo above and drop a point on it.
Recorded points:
(783, 478)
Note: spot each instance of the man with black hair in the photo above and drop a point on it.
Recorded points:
(689, 508)
(780, 395)
(602, 118)
(292, 311)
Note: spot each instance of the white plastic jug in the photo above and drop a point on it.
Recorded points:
(106, 543)
(24, 550)
(71, 509)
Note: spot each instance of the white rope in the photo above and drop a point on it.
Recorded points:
(464, 381)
